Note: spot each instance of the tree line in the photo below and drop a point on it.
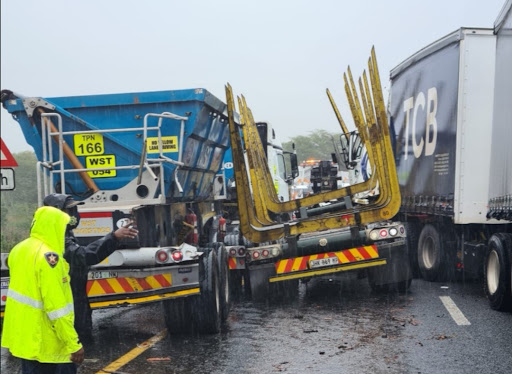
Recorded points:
(18, 206)
(317, 144)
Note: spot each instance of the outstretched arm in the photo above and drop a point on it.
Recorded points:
(97, 251)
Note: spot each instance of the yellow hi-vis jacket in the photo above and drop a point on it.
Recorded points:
(39, 316)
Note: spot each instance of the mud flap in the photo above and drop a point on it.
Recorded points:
(396, 271)
(258, 279)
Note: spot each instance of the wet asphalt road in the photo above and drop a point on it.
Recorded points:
(331, 327)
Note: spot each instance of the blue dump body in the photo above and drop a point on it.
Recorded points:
(229, 171)
(205, 140)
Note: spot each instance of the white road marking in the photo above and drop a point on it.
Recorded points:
(454, 311)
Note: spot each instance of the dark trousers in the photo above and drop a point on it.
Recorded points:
(36, 367)
(83, 312)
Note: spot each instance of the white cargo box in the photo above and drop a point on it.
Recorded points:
(441, 107)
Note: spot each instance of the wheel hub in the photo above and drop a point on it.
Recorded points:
(493, 272)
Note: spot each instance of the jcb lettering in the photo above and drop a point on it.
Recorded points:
(417, 107)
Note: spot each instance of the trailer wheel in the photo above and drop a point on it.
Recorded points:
(497, 272)
(431, 254)
(178, 316)
(207, 313)
(224, 279)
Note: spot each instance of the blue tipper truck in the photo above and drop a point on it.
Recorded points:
(154, 158)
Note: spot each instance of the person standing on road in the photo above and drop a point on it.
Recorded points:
(80, 258)
(38, 321)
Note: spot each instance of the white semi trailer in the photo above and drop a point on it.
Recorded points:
(451, 113)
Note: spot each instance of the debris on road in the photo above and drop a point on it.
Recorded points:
(153, 359)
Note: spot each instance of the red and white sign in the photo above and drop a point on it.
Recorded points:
(6, 160)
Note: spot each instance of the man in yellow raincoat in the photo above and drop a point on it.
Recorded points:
(38, 320)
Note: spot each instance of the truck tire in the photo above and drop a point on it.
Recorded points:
(178, 316)
(231, 239)
(224, 279)
(207, 313)
(497, 272)
(431, 254)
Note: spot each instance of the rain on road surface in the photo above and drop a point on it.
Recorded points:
(331, 327)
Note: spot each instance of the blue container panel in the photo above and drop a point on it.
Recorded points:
(206, 134)
(218, 154)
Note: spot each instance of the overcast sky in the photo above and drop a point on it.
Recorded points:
(280, 54)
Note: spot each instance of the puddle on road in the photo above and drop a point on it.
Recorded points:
(330, 327)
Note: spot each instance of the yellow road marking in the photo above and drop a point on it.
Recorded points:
(135, 352)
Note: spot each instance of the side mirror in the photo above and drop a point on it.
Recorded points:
(294, 165)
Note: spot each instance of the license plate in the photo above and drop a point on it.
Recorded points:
(320, 263)
(101, 275)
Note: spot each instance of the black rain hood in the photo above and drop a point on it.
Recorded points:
(67, 204)
(61, 201)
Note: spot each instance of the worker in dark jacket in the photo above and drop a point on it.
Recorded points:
(80, 258)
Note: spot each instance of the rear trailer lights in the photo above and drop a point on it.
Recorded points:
(162, 256)
(383, 233)
(393, 231)
(177, 256)
(263, 253)
(189, 253)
